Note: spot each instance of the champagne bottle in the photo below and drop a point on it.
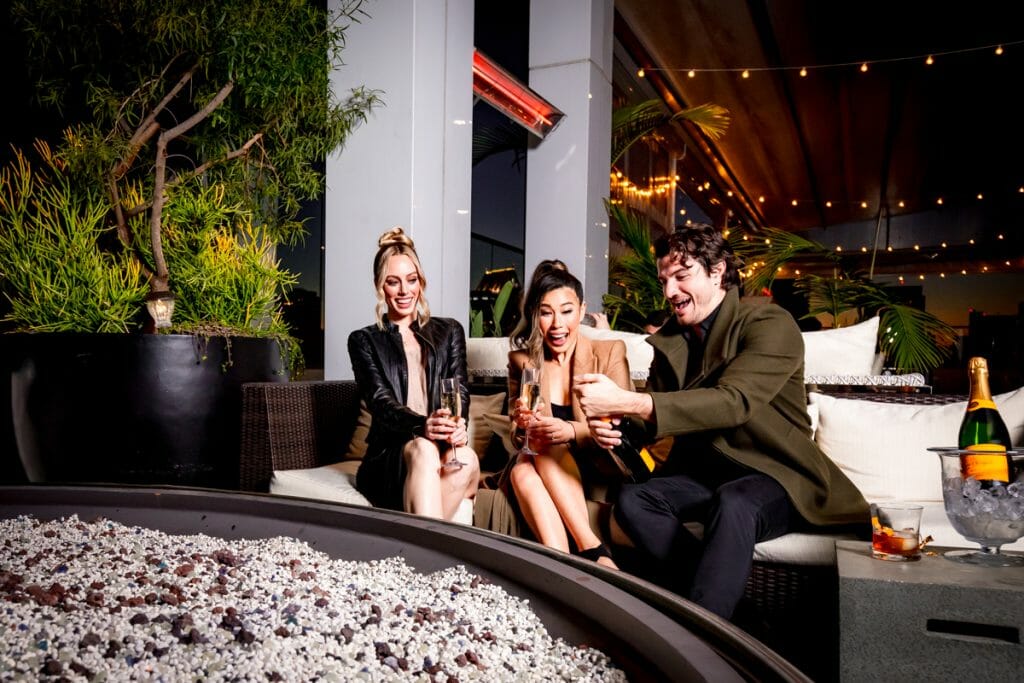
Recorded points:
(983, 432)
(635, 461)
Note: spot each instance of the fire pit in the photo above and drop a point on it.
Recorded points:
(647, 632)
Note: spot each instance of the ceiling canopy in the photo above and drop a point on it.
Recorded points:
(838, 114)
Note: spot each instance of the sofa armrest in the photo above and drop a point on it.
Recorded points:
(293, 425)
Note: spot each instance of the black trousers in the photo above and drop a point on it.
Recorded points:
(736, 514)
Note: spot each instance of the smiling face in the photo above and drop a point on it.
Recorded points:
(558, 319)
(693, 292)
(401, 288)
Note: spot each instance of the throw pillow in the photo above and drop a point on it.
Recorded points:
(479, 432)
(883, 447)
(357, 444)
(842, 351)
(479, 429)
(499, 424)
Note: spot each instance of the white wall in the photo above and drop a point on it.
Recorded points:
(409, 165)
(567, 174)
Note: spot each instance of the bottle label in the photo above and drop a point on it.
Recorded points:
(985, 462)
(978, 403)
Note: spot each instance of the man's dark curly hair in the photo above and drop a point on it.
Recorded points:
(704, 244)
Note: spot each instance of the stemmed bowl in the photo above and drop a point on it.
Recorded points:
(990, 514)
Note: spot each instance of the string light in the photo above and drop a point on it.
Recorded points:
(862, 65)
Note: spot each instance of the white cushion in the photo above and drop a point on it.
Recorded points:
(337, 483)
(842, 351)
(882, 447)
(639, 353)
(487, 356)
(799, 548)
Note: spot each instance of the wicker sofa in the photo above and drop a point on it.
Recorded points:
(307, 426)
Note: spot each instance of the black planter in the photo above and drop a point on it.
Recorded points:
(131, 409)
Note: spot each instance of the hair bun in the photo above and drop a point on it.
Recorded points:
(394, 236)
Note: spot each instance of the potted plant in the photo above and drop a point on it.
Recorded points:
(912, 340)
(191, 134)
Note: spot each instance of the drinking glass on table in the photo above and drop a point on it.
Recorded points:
(530, 401)
(451, 398)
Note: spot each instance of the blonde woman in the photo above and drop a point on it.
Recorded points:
(417, 458)
(548, 485)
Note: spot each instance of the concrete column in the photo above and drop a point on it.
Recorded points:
(567, 174)
(408, 165)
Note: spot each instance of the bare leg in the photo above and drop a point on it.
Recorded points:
(538, 509)
(562, 480)
(422, 492)
(459, 483)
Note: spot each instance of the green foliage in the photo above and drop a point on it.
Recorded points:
(122, 65)
(225, 271)
(635, 272)
(197, 128)
(476, 318)
(911, 339)
(51, 271)
(632, 123)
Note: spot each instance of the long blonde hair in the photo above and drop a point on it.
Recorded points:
(395, 242)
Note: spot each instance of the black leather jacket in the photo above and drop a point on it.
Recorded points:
(379, 365)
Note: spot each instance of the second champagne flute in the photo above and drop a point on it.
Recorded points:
(529, 392)
(451, 399)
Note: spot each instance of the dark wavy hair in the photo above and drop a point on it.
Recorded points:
(549, 275)
(704, 244)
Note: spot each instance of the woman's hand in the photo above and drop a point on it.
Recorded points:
(550, 430)
(440, 426)
(522, 416)
(460, 435)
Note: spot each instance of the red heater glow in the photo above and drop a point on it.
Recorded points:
(506, 93)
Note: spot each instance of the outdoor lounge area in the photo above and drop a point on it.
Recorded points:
(879, 438)
(242, 247)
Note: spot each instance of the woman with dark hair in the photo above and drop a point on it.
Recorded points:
(547, 482)
(417, 458)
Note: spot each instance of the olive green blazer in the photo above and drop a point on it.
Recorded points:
(749, 398)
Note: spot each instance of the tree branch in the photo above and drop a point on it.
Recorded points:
(234, 154)
(192, 121)
(148, 128)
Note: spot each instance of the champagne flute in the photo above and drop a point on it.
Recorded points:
(451, 398)
(529, 392)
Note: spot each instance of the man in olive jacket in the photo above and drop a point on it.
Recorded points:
(727, 383)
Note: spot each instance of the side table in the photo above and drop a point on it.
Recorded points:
(932, 619)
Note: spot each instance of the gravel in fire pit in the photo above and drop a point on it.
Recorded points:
(102, 601)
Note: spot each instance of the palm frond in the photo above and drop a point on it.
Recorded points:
(772, 248)
(631, 123)
(503, 137)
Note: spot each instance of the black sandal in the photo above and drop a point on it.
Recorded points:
(592, 554)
